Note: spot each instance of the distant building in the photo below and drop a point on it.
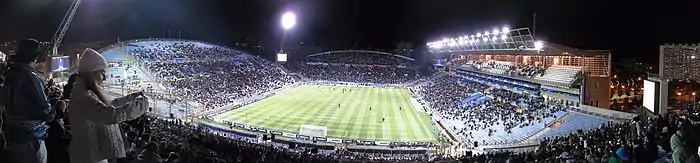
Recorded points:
(679, 61)
(404, 48)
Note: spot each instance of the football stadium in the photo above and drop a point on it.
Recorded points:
(494, 96)
(508, 93)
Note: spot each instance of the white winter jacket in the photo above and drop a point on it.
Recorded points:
(95, 130)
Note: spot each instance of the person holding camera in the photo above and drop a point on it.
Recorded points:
(27, 108)
(94, 118)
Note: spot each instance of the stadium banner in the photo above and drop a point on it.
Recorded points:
(332, 140)
(276, 132)
(349, 141)
(241, 125)
(384, 143)
(302, 137)
(320, 139)
(289, 135)
(262, 130)
(367, 143)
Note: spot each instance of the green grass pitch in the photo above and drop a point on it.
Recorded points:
(318, 105)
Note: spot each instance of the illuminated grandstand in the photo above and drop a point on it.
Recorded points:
(555, 70)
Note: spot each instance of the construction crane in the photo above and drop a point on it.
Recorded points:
(63, 27)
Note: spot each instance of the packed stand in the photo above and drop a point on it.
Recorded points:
(360, 57)
(357, 67)
(211, 75)
(78, 124)
(669, 138)
(501, 67)
(503, 112)
(357, 74)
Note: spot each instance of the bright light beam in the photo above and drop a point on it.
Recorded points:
(289, 19)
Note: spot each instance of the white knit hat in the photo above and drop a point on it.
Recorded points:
(91, 61)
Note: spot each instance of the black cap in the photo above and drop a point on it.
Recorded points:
(27, 51)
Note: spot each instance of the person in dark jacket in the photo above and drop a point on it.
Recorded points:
(27, 106)
(59, 136)
(696, 157)
(68, 89)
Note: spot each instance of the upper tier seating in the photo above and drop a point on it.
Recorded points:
(560, 75)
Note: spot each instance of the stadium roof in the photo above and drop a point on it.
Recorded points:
(361, 51)
(502, 42)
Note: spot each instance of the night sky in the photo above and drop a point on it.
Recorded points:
(629, 28)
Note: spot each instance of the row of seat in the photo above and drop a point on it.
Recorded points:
(560, 74)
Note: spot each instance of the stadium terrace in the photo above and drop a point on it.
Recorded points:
(496, 99)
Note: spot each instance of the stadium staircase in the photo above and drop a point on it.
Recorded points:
(534, 137)
(299, 76)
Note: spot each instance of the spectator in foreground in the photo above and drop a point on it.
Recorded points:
(94, 119)
(696, 157)
(150, 154)
(27, 107)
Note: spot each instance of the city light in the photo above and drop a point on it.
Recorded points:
(289, 19)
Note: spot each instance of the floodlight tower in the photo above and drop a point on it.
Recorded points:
(63, 27)
(289, 20)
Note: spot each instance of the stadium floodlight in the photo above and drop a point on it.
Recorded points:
(506, 30)
(486, 39)
(539, 45)
(437, 46)
(503, 37)
(495, 31)
(478, 34)
(289, 19)
(472, 36)
(486, 33)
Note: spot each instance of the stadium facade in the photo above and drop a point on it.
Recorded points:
(679, 61)
(572, 74)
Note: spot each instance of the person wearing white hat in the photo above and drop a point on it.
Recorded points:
(94, 119)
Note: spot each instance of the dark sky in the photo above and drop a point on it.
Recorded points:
(629, 28)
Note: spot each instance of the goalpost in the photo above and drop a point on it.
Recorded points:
(313, 130)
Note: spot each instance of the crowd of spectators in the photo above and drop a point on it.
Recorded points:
(501, 67)
(671, 137)
(360, 57)
(507, 108)
(512, 109)
(357, 67)
(357, 74)
(211, 75)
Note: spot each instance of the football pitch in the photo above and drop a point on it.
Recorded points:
(345, 114)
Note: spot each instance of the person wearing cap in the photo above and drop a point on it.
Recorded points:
(27, 106)
(94, 118)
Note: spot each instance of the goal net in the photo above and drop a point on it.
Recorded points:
(313, 130)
